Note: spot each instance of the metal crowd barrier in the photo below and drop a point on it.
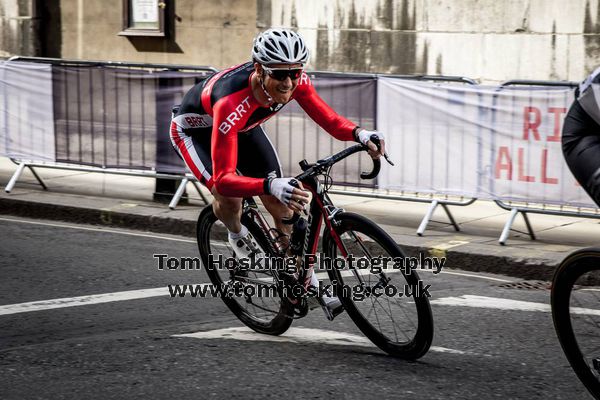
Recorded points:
(21, 165)
(357, 101)
(434, 201)
(523, 208)
(91, 138)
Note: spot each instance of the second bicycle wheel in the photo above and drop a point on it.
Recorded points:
(400, 326)
(575, 298)
(269, 315)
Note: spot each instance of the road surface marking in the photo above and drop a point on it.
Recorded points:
(439, 250)
(504, 304)
(99, 230)
(301, 335)
(461, 301)
(82, 300)
(475, 276)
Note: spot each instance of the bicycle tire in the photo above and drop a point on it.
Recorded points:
(420, 343)
(281, 320)
(573, 267)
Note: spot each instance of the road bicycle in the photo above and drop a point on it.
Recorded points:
(574, 299)
(400, 326)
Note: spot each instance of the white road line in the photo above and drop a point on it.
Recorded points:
(99, 230)
(302, 335)
(474, 276)
(83, 300)
(52, 304)
(504, 304)
(461, 301)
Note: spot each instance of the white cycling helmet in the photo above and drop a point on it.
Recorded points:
(279, 46)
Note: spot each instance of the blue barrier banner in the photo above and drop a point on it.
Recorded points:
(117, 117)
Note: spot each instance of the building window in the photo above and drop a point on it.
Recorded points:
(144, 18)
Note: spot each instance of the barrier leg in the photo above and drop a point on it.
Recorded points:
(427, 217)
(41, 182)
(450, 217)
(199, 190)
(15, 178)
(178, 194)
(529, 229)
(507, 226)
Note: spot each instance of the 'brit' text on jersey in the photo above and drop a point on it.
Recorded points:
(235, 116)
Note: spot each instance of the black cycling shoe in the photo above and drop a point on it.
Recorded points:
(332, 308)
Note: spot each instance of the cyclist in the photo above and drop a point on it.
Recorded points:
(217, 130)
(581, 136)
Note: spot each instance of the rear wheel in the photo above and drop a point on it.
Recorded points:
(400, 326)
(269, 315)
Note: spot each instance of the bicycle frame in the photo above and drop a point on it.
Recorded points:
(321, 207)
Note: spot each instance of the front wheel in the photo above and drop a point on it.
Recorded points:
(265, 314)
(575, 298)
(399, 325)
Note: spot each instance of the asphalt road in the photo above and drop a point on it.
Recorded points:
(94, 348)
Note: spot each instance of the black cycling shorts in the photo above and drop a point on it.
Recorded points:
(257, 157)
(581, 149)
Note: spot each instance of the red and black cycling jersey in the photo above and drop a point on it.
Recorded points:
(224, 105)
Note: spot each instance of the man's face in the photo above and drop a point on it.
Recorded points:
(280, 80)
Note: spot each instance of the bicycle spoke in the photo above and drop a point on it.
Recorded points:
(406, 314)
(390, 314)
(394, 325)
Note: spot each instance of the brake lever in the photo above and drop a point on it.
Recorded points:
(377, 143)
(296, 216)
(385, 155)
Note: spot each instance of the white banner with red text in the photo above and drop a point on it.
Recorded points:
(485, 142)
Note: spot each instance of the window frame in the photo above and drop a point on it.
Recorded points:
(128, 30)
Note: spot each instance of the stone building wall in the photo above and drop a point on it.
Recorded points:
(488, 40)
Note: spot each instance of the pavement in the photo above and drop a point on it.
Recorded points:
(126, 202)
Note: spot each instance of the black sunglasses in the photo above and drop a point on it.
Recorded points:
(281, 74)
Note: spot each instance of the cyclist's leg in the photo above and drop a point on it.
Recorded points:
(278, 211)
(228, 210)
(259, 159)
(581, 149)
(195, 152)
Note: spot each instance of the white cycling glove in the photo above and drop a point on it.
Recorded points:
(281, 188)
(364, 136)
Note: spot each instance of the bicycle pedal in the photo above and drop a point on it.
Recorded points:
(332, 309)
